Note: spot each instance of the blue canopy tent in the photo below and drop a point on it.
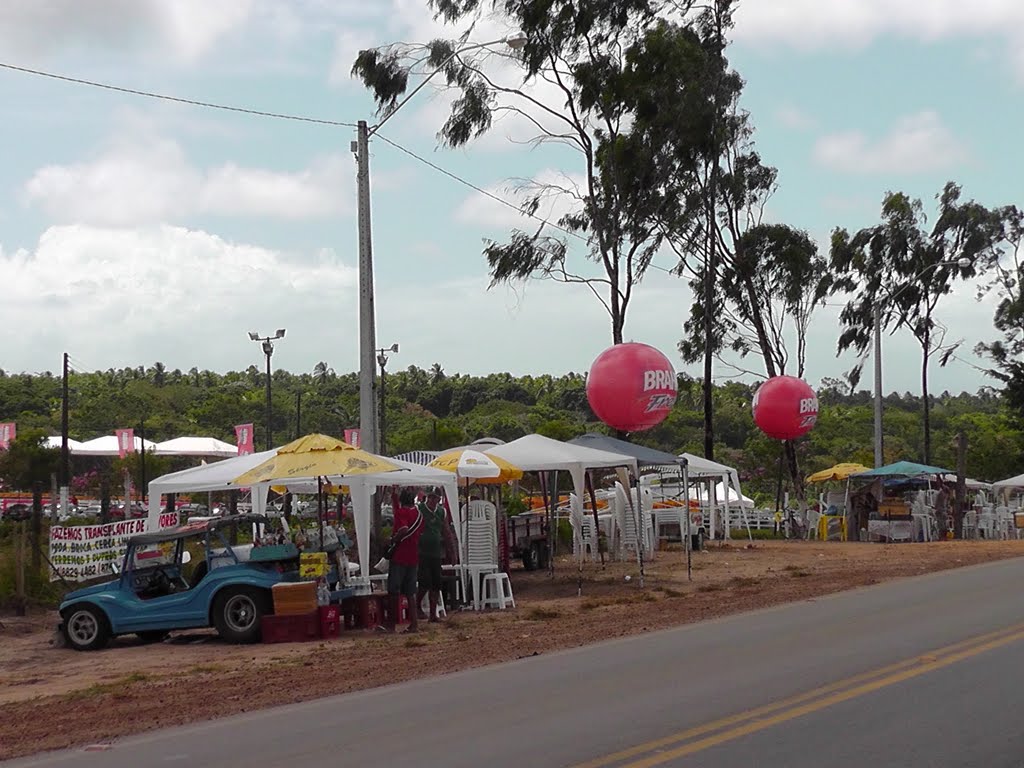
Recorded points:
(902, 469)
(896, 474)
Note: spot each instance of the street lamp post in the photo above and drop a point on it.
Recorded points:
(268, 350)
(879, 306)
(382, 361)
(367, 317)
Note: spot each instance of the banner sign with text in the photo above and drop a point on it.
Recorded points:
(8, 432)
(352, 437)
(243, 438)
(125, 441)
(84, 552)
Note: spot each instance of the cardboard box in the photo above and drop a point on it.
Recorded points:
(294, 598)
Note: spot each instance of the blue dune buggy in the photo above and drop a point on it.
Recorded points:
(229, 588)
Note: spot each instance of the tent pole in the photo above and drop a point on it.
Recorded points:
(689, 529)
(641, 529)
(589, 481)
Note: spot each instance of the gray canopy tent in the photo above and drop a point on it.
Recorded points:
(645, 457)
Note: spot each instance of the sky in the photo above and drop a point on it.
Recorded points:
(135, 230)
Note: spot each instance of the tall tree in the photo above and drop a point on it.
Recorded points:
(1003, 268)
(908, 268)
(596, 57)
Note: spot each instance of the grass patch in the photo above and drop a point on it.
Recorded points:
(799, 573)
(709, 588)
(542, 614)
(670, 592)
(102, 689)
(589, 605)
(416, 642)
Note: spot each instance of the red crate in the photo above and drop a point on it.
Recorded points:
(330, 621)
(362, 611)
(403, 609)
(292, 628)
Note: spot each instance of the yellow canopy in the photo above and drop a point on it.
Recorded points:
(315, 456)
(455, 461)
(838, 472)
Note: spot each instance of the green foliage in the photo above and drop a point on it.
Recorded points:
(27, 461)
(498, 405)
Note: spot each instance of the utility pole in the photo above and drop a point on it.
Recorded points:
(65, 457)
(879, 452)
(367, 323)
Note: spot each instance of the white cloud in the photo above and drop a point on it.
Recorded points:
(561, 197)
(116, 297)
(795, 118)
(184, 29)
(916, 144)
(149, 179)
(816, 25)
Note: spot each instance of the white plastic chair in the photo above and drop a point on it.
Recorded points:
(630, 529)
(481, 547)
(584, 533)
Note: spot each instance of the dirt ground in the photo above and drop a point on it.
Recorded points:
(194, 676)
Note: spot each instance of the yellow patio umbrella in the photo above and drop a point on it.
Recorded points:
(315, 456)
(476, 466)
(838, 472)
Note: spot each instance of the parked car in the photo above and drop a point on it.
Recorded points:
(18, 511)
(152, 594)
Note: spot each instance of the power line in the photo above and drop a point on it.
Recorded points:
(481, 190)
(176, 99)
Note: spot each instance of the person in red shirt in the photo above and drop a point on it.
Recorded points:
(402, 572)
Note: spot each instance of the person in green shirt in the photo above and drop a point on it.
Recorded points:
(433, 543)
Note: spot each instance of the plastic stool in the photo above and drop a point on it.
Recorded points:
(502, 597)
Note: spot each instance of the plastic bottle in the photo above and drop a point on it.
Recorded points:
(323, 594)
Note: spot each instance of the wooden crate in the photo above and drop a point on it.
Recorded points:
(294, 598)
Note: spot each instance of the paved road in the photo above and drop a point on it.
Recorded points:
(921, 672)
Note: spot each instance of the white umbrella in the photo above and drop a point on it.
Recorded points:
(475, 465)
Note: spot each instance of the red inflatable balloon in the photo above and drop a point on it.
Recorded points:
(631, 387)
(785, 407)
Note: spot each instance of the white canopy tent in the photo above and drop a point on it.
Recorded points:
(107, 445)
(55, 443)
(723, 492)
(727, 489)
(195, 446)
(1008, 486)
(536, 453)
(218, 476)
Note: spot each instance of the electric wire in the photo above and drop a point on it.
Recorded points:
(177, 99)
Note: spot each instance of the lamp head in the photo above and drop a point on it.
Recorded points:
(963, 262)
(279, 334)
(254, 336)
(268, 348)
(382, 361)
(517, 41)
(394, 347)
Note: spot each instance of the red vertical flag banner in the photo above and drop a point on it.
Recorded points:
(352, 437)
(7, 433)
(125, 441)
(243, 438)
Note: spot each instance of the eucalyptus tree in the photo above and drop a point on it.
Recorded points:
(597, 58)
(1004, 272)
(907, 269)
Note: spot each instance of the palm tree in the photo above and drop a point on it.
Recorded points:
(436, 373)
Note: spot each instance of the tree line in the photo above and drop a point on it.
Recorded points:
(431, 410)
